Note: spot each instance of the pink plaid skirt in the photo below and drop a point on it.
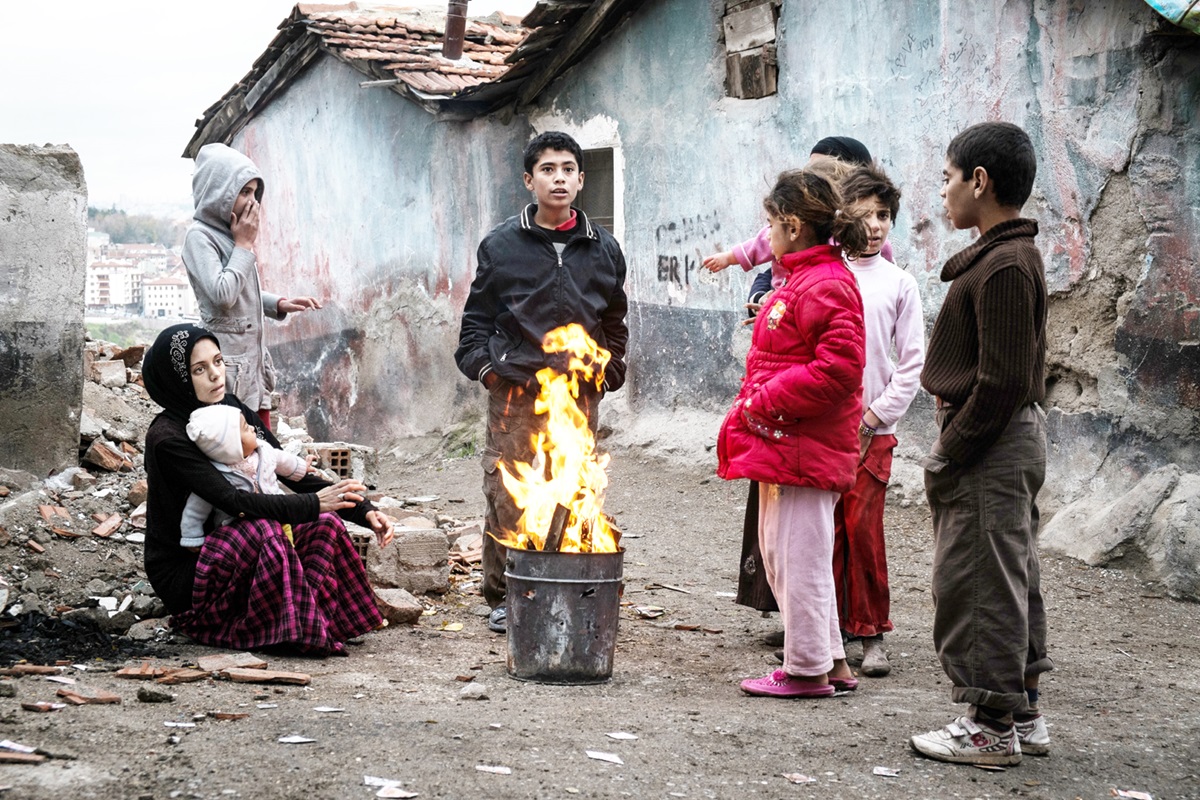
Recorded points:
(253, 588)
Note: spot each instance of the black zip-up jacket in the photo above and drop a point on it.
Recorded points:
(523, 289)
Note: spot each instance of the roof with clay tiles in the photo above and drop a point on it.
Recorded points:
(506, 61)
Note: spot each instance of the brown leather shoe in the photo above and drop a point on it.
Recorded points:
(875, 661)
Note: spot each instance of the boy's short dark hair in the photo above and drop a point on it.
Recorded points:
(871, 181)
(551, 140)
(1005, 151)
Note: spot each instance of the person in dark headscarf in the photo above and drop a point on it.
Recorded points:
(843, 148)
(247, 587)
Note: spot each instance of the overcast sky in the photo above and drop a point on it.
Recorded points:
(124, 81)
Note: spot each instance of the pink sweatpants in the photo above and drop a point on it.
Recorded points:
(795, 530)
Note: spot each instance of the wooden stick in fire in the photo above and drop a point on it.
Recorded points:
(558, 524)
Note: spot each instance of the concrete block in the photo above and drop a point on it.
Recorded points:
(416, 560)
(42, 256)
(346, 460)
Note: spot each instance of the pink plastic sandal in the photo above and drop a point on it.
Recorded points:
(780, 684)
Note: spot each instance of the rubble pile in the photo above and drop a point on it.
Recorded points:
(71, 545)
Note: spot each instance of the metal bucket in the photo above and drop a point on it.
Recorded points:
(563, 610)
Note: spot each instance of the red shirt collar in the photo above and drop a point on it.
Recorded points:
(569, 224)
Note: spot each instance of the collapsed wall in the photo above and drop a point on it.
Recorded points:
(43, 245)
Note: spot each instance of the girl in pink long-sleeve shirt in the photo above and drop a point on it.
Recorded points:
(894, 319)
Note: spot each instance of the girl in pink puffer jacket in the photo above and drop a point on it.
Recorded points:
(793, 427)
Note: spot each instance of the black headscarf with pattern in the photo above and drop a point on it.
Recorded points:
(165, 369)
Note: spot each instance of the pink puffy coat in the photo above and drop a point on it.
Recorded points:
(795, 421)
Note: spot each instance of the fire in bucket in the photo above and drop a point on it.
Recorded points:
(563, 570)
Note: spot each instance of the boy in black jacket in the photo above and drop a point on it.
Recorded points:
(547, 267)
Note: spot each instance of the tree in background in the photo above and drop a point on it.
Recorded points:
(124, 228)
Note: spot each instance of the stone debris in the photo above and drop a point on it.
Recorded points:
(147, 695)
(398, 606)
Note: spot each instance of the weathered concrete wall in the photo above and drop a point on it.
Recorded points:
(1109, 93)
(43, 246)
(375, 207)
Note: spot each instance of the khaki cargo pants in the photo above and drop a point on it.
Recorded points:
(989, 625)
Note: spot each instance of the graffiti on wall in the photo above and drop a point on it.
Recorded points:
(682, 244)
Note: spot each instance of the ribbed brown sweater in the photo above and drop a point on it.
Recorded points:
(987, 353)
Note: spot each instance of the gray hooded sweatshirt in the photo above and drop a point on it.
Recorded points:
(225, 278)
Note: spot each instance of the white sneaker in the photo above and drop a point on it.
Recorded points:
(965, 742)
(1033, 736)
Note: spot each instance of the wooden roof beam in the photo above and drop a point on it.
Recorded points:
(571, 44)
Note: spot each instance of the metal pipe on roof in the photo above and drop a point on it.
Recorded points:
(456, 29)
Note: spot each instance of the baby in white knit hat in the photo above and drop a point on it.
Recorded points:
(247, 462)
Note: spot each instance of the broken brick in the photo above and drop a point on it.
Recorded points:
(226, 715)
(137, 493)
(145, 672)
(131, 356)
(102, 454)
(220, 661)
(33, 669)
(9, 757)
(43, 707)
(107, 527)
(97, 697)
(243, 675)
(176, 676)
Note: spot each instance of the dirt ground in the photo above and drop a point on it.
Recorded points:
(1121, 704)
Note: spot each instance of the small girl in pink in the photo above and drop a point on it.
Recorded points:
(792, 427)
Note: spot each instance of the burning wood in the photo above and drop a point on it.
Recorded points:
(561, 491)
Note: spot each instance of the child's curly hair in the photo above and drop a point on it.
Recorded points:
(808, 196)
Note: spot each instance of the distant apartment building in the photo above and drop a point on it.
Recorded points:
(152, 259)
(113, 287)
(97, 242)
(168, 296)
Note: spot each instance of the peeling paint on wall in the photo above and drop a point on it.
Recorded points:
(377, 206)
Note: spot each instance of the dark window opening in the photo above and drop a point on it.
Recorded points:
(597, 196)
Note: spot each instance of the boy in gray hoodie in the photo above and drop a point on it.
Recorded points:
(218, 253)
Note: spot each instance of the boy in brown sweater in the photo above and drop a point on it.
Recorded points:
(986, 367)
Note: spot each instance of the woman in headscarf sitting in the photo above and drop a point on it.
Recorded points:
(247, 586)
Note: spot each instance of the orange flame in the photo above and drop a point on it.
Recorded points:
(565, 469)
